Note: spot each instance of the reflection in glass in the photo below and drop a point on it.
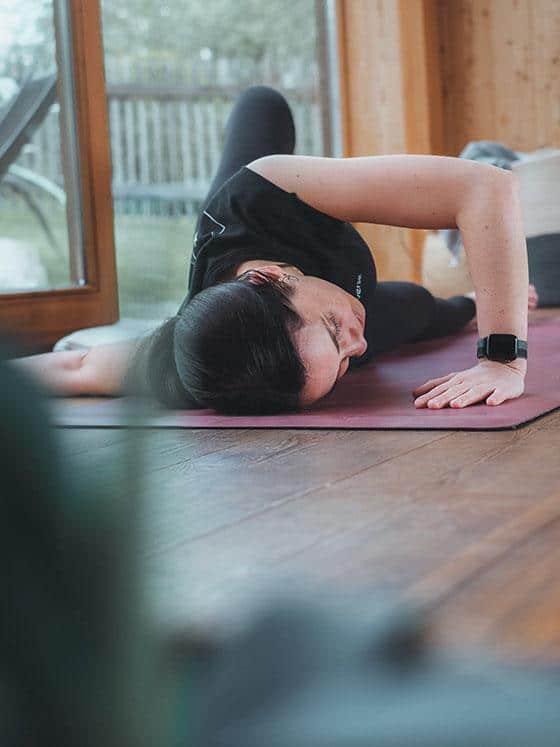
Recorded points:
(38, 159)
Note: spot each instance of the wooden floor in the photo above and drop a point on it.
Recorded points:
(468, 521)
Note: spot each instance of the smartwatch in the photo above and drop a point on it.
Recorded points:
(502, 348)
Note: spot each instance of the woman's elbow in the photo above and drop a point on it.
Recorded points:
(102, 372)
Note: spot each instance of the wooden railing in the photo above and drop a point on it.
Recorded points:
(166, 142)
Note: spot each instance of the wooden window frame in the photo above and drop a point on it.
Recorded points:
(37, 319)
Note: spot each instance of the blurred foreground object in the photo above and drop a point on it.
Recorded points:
(76, 657)
(347, 672)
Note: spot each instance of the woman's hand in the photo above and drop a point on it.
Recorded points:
(488, 380)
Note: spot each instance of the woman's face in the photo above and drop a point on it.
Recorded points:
(333, 329)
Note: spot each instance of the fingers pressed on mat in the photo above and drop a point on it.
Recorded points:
(441, 399)
(432, 383)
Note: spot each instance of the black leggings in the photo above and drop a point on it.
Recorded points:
(261, 124)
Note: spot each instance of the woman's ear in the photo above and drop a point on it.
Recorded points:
(263, 275)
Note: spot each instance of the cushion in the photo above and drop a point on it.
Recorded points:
(124, 329)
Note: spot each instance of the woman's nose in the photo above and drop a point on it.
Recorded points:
(357, 344)
(360, 347)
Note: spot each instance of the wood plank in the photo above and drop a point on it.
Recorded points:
(386, 526)
(170, 151)
(387, 505)
(512, 606)
(158, 450)
(512, 70)
(116, 141)
(185, 140)
(130, 143)
(89, 440)
(545, 25)
(257, 475)
(214, 148)
(143, 142)
(481, 556)
(155, 114)
(202, 171)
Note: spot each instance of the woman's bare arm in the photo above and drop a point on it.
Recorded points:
(407, 190)
(99, 370)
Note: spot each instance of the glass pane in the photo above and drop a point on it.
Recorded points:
(38, 163)
(173, 71)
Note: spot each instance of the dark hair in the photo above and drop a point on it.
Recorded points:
(230, 348)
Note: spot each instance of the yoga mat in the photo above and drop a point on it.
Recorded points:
(376, 396)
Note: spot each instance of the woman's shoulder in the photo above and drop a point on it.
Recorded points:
(250, 217)
(254, 198)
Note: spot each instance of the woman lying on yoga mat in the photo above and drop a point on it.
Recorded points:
(283, 297)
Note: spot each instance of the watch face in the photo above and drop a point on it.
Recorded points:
(502, 348)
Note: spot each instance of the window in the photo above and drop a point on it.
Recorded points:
(41, 244)
(173, 70)
(56, 250)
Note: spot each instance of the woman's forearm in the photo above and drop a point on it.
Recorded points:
(58, 373)
(99, 370)
(493, 235)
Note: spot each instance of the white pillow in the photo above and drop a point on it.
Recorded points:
(540, 193)
(124, 329)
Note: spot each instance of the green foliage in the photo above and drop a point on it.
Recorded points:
(230, 28)
(153, 256)
(171, 32)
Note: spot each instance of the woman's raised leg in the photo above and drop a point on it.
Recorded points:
(404, 312)
(260, 124)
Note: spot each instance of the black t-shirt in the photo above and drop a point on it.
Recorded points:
(250, 217)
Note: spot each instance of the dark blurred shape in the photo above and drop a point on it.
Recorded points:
(354, 673)
(76, 659)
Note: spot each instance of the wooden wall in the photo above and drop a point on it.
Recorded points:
(500, 67)
(429, 76)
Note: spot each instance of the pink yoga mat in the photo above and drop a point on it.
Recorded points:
(377, 396)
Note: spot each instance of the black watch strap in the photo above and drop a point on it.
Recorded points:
(500, 347)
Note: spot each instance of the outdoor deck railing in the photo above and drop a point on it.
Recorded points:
(166, 142)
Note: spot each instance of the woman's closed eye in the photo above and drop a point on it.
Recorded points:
(336, 325)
